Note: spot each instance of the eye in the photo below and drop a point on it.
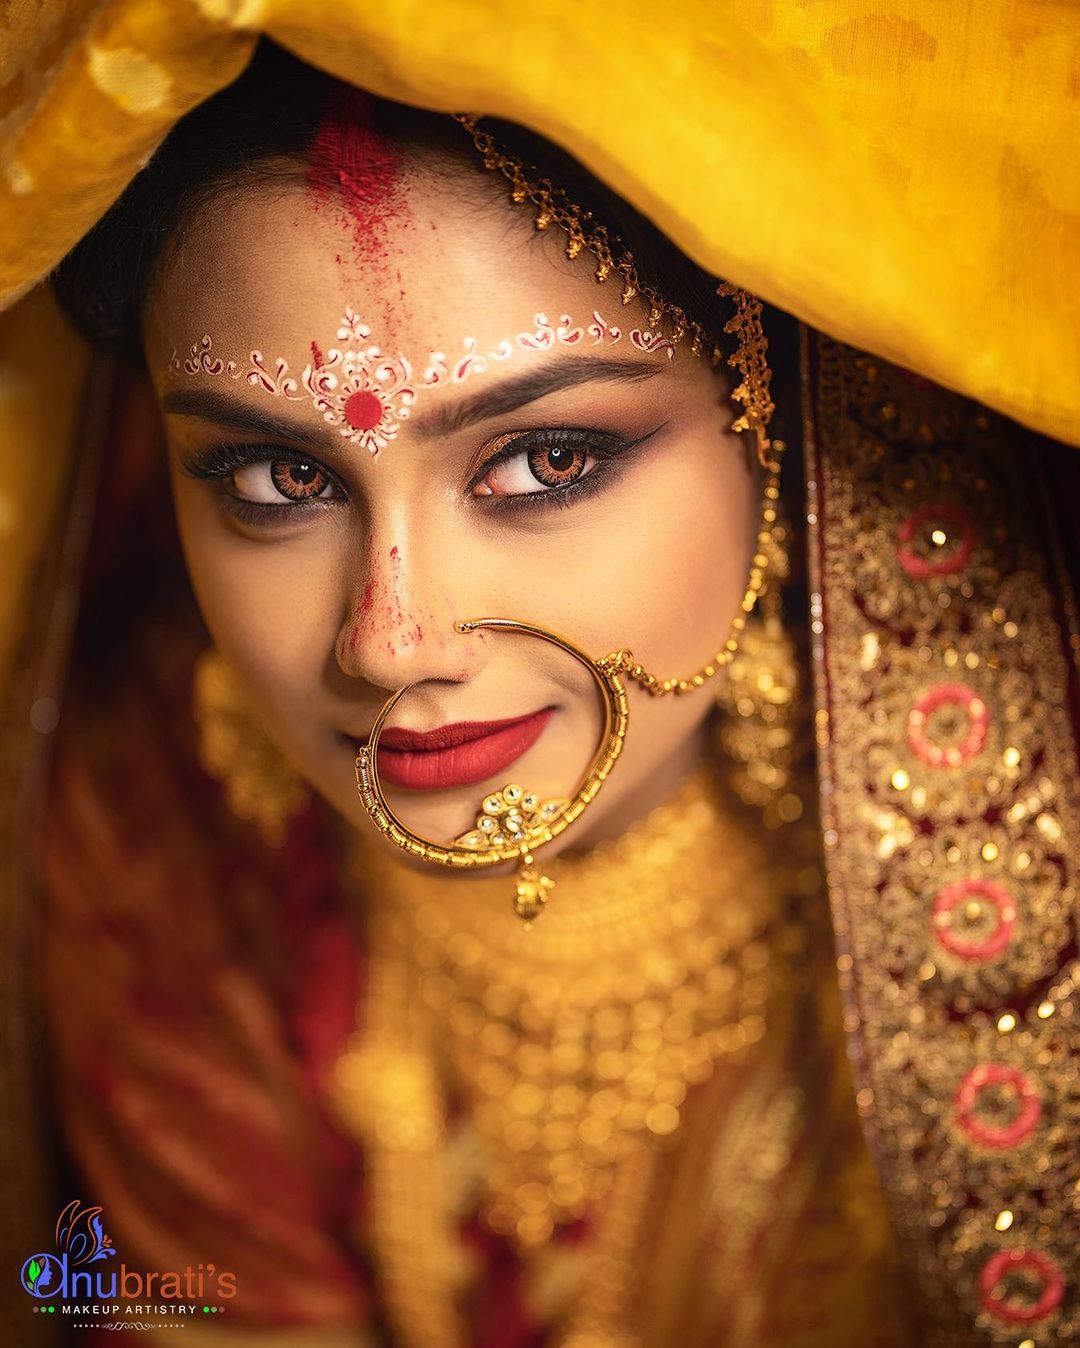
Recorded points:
(274, 480)
(536, 469)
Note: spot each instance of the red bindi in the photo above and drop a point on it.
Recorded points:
(363, 410)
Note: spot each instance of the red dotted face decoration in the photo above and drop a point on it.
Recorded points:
(366, 394)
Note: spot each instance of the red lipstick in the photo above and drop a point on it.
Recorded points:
(458, 754)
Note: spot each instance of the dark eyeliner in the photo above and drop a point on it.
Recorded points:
(216, 463)
(221, 460)
(610, 450)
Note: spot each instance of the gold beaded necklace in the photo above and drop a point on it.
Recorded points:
(571, 1047)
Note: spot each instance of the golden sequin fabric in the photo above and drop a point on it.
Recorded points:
(658, 1059)
(951, 794)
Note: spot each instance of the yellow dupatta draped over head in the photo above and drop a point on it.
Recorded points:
(835, 159)
(902, 177)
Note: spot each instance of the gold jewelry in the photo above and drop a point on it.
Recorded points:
(575, 1051)
(750, 360)
(554, 206)
(536, 823)
(234, 748)
(758, 697)
(538, 827)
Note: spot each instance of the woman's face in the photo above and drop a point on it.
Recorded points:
(585, 484)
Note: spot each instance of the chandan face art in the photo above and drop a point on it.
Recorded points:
(349, 490)
(366, 393)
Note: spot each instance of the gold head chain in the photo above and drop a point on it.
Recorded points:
(585, 234)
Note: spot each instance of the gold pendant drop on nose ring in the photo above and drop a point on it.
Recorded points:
(512, 823)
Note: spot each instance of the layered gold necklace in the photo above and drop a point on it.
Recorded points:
(571, 1047)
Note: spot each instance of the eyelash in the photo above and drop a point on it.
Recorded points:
(218, 462)
(605, 447)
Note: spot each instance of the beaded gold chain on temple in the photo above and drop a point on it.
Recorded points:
(584, 234)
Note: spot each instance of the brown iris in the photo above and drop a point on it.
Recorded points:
(556, 465)
(298, 481)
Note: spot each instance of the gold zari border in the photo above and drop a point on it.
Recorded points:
(950, 791)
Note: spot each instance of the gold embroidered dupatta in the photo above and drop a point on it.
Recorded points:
(946, 656)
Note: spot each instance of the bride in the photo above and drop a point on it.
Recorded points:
(436, 941)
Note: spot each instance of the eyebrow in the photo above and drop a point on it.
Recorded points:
(510, 394)
(211, 405)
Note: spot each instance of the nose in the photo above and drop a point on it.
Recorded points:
(398, 628)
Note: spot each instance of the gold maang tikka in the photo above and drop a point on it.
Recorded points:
(513, 823)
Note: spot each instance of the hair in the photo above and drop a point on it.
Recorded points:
(263, 127)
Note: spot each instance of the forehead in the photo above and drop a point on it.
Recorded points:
(430, 260)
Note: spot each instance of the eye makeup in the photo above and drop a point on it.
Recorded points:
(218, 464)
(565, 463)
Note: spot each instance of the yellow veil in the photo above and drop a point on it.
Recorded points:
(902, 177)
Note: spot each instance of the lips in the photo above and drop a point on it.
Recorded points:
(458, 754)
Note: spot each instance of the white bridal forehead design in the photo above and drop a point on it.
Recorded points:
(367, 394)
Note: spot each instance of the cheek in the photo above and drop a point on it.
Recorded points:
(673, 564)
(702, 559)
(272, 610)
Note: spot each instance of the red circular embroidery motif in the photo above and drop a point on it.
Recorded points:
(952, 755)
(983, 894)
(971, 1097)
(962, 536)
(1040, 1267)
